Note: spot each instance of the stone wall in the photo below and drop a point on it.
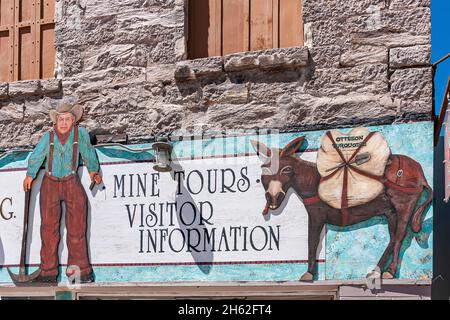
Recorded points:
(364, 62)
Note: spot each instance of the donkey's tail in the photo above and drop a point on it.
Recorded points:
(417, 216)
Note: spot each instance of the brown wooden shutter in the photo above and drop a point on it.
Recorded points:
(27, 29)
(6, 40)
(220, 27)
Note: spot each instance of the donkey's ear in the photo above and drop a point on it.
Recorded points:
(292, 147)
(261, 149)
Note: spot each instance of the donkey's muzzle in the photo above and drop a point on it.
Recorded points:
(274, 201)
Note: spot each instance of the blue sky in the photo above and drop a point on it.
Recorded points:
(440, 45)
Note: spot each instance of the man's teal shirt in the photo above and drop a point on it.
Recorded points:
(62, 155)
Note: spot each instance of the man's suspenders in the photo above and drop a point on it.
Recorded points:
(74, 152)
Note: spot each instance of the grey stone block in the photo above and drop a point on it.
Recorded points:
(315, 10)
(49, 86)
(364, 55)
(226, 93)
(410, 56)
(327, 56)
(369, 78)
(414, 84)
(24, 88)
(197, 68)
(267, 59)
(390, 39)
(3, 90)
(402, 4)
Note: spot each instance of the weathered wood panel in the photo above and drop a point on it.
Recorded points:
(261, 24)
(290, 23)
(25, 54)
(6, 56)
(6, 12)
(47, 9)
(47, 51)
(6, 40)
(276, 24)
(26, 10)
(235, 30)
(204, 25)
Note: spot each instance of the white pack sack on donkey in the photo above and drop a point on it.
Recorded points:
(351, 166)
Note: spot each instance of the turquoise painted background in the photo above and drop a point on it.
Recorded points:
(351, 252)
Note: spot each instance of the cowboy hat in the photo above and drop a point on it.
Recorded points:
(66, 107)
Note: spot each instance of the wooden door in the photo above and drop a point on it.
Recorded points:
(27, 29)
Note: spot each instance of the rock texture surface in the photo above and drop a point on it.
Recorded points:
(364, 62)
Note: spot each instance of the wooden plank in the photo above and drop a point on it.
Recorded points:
(26, 10)
(5, 56)
(15, 31)
(37, 39)
(198, 24)
(6, 12)
(24, 40)
(47, 52)
(43, 21)
(6, 40)
(25, 54)
(291, 23)
(236, 25)
(276, 24)
(46, 10)
(216, 29)
(261, 24)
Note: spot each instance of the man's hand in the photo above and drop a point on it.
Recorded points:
(27, 183)
(96, 177)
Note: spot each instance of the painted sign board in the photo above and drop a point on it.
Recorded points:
(214, 218)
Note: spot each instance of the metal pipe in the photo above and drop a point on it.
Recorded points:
(440, 120)
(441, 60)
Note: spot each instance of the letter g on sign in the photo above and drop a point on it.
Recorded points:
(3, 214)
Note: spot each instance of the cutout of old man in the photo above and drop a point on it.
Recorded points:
(61, 147)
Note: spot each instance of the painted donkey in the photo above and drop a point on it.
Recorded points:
(404, 181)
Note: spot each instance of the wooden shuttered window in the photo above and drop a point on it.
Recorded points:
(27, 35)
(220, 27)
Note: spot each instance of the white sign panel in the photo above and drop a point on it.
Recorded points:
(204, 211)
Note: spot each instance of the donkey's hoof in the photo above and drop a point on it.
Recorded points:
(387, 275)
(307, 276)
(373, 275)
